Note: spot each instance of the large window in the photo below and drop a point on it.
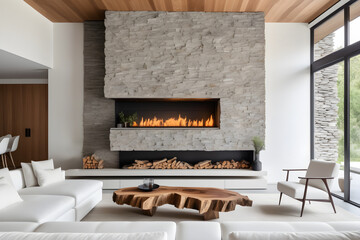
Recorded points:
(335, 96)
(329, 36)
(355, 128)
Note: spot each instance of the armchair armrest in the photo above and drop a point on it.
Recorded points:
(300, 169)
(316, 177)
(292, 170)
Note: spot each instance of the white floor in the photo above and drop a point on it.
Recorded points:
(265, 208)
(349, 207)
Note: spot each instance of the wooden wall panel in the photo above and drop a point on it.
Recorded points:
(25, 106)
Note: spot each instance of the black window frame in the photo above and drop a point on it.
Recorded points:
(344, 55)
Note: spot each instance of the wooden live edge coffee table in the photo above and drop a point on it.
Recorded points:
(209, 201)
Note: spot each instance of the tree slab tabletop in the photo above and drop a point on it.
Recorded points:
(209, 201)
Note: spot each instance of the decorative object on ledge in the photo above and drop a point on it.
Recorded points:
(93, 162)
(173, 163)
(258, 146)
(209, 201)
(127, 120)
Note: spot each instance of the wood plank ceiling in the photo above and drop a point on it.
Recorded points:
(275, 10)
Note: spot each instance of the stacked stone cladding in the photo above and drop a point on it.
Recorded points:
(326, 104)
(98, 115)
(188, 55)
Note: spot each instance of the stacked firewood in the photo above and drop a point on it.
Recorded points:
(93, 162)
(160, 164)
(232, 164)
(173, 163)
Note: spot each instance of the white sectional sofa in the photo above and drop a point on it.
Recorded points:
(191, 230)
(68, 200)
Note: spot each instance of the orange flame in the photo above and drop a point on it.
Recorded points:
(174, 122)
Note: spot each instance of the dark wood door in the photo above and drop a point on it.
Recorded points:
(22, 107)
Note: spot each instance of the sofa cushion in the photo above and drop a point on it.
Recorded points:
(5, 173)
(8, 194)
(288, 235)
(78, 189)
(312, 227)
(354, 235)
(49, 176)
(46, 164)
(191, 230)
(83, 236)
(345, 226)
(37, 208)
(18, 226)
(69, 227)
(228, 227)
(296, 190)
(110, 227)
(140, 226)
(17, 178)
(29, 176)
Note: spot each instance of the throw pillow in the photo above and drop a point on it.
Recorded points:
(48, 176)
(37, 165)
(6, 175)
(8, 194)
(29, 176)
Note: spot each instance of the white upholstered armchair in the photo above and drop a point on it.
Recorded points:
(315, 186)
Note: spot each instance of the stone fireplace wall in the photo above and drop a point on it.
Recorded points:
(188, 55)
(98, 115)
(326, 137)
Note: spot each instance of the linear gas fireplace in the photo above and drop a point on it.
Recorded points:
(169, 112)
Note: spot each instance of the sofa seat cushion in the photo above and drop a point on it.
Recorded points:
(18, 226)
(229, 227)
(345, 226)
(191, 230)
(296, 190)
(37, 208)
(80, 190)
(290, 235)
(110, 227)
(83, 236)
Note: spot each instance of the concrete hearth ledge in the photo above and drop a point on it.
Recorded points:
(110, 172)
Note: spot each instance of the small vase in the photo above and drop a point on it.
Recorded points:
(127, 124)
(256, 165)
(120, 125)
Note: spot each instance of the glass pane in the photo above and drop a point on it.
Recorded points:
(355, 128)
(355, 22)
(329, 36)
(329, 116)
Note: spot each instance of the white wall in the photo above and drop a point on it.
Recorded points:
(66, 96)
(287, 65)
(25, 32)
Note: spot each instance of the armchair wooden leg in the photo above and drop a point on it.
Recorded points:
(329, 193)
(304, 198)
(280, 198)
